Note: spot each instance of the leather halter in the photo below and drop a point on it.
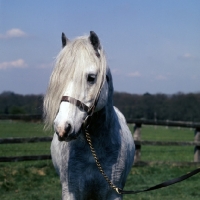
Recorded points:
(76, 102)
(89, 110)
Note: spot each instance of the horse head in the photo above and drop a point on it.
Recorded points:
(80, 74)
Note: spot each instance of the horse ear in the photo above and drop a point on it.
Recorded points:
(64, 40)
(95, 42)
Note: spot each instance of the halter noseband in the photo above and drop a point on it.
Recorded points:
(76, 102)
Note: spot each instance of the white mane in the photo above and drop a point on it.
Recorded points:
(70, 63)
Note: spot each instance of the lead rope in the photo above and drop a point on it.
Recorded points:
(119, 190)
(99, 165)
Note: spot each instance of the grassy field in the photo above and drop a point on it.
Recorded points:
(37, 179)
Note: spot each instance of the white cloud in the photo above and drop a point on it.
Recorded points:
(134, 74)
(116, 71)
(45, 65)
(187, 56)
(20, 63)
(13, 33)
(161, 77)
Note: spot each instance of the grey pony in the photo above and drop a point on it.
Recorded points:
(80, 177)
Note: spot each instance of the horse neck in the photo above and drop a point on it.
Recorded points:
(102, 120)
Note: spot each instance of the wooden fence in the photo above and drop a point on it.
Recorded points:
(138, 142)
(137, 137)
(25, 140)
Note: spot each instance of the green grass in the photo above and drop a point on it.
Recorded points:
(158, 133)
(33, 180)
(143, 177)
(9, 128)
(37, 180)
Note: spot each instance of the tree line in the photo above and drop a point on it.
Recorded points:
(11, 103)
(176, 107)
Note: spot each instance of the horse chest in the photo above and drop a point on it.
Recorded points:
(82, 157)
(82, 168)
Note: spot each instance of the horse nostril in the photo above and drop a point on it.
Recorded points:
(59, 138)
(67, 128)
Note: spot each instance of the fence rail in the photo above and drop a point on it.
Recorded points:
(24, 140)
(130, 121)
(25, 158)
(164, 123)
(21, 117)
(166, 143)
(137, 142)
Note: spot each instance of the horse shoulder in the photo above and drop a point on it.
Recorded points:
(125, 131)
(119, 114)
(127, 149)
(127, 142)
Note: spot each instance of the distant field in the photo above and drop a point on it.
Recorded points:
(9, 128)
(38, 180)
(23, 129)
(167, 153)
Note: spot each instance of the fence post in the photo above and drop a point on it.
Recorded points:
(197, 148)
(137, 137)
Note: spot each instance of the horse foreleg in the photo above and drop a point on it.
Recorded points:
(66, 195)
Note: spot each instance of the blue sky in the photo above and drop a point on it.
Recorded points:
(151, 45)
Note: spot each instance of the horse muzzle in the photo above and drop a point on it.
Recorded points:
(67, 134)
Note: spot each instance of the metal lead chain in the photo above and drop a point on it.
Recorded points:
(99, 165)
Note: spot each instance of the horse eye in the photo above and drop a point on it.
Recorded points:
(91, 78)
